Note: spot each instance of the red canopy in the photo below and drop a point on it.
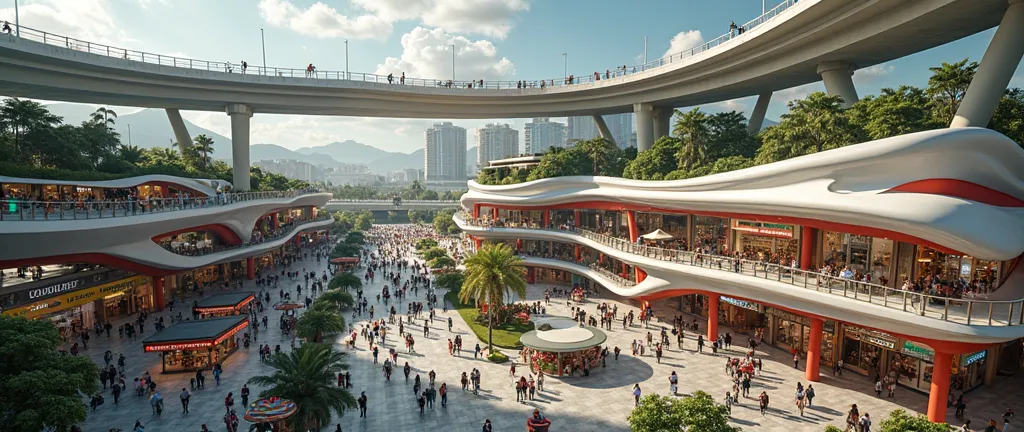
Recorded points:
(345, 260)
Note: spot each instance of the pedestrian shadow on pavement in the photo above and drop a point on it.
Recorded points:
(824, 410)
(626, 372)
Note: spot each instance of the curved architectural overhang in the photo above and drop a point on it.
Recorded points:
(667, 278)
(146, 257)
(783, 52)
(961, 189)
(206, 186)
(25, 240)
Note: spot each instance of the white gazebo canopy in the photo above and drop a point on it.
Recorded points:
(657, 234)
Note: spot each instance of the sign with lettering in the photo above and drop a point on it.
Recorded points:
(188, 346)
(919, 351)
(763, 228)
(976, 357)
(740, 303)
(879, 341)
(77, 298)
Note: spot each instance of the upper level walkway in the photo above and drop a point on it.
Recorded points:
(786, 47)
(381, 205)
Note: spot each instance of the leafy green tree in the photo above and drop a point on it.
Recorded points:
(344, 250)
(725, 164)
(831, 428)
(315, 323)
(901, 421)
(668, 414)
(19, 119)
(426, 243)
(558, 162)
(443, 222)
(656, 163)
(129, 153)
(906, 109)
(1009, 116)
(948, 85)
(355, 238)
(694, 133)
(345, 281)
(434, 252)
(701, 413)
(105, 116)
(729, 136)
(812, 125)
(491, 273)
(451, 280)
(40, 388)
(599, 151)
(442, 262)
(305, 375)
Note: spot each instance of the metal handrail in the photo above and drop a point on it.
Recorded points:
(24, 210)
(976, 311)
(387, 201)
(236, 68)
(286, 232)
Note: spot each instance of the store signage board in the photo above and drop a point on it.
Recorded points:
(178, 346)
(763, 228)
(740, 303)
(915, 350)
(880, 342)
(976, 357)
(76, 298)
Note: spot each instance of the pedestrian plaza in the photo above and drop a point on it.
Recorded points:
(599, 402)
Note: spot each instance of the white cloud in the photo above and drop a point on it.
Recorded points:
(740, 105)
(89, 20)
(872, 73)
(323, 21)
(428, 54)
(493, 18)
(684, 41)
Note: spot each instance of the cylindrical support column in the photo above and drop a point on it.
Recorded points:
(602, 128)
(712, 317)
(547, 217)
(662, 122)
(838, 78)
(275, 221)
(158, 293)
(644, 114)
(240, 115)
(814, 350)
(807, 236)
(757, 116)
(576, 218)
(531, 275)
(250, 268)
(519, 244)
(992, 365)
(577, 252)
(494, 213)
(939, 394)
(478, 243)
(476, 211)
(179, 128)
(995, 70)
(634, 232)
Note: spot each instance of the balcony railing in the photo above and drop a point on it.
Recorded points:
(320, 76)
(593, 266)
(20, 210)
(971, 311)
(279, 234)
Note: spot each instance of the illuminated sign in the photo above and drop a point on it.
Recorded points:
(915, 350)
(974, 358)
(178, 346)
(77, 298)
(216, 309)
(53, 289)
(740, 303)
(763, 228)
(880, 342)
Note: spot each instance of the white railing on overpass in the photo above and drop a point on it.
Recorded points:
(971, 311)
(24, 210)
(387, 201)
(315, 74)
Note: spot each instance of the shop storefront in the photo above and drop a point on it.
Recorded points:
(864, 255)
(219, 305)
(765, 240)
(792, 333)
(674, 224)
(188, 346)
(711, 233)
(865, 351)
(544, 275)
(972, 371)
(742, 316)
(912, 366)
(951, 267)
(695, 304)
(127, 302)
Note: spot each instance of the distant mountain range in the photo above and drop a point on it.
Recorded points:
(151, 128)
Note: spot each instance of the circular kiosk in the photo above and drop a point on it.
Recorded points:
(270, 414)
(560, 347)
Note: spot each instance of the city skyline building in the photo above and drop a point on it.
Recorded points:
(445, 153)
(584, 128)
(542, 134)
(496, 141)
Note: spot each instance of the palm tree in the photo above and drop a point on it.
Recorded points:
(129, 153)
(693, 130)
(203, 144)
(336, 299)
(305, 376)
(491, 273)
(598, 150)
(345, 281)
(314, 324)
(104, 115)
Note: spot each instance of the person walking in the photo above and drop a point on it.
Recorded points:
(810, 395)
(362, 404)
(229, 401)
(636, 394)
(762, 400)
(245, 396)
(185, 396)
(443, 391)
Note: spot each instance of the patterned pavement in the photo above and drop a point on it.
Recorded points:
(599, 402)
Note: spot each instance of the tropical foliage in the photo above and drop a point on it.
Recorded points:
(315, 323)
(702, 143)
(345, 281)
(305, 375)
(695, 413)
(40, 387)
(345, 221)
(899, 421)
(444, 224)
(493, 273)
(334, 300)
(413, 192)
(34, 143)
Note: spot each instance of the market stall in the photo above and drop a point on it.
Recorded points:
(560, 346)
(270, 414)
(192, 345)
(345, 263)
(225, 304)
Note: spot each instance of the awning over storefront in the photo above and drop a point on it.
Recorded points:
(193, 335)
(225, 303)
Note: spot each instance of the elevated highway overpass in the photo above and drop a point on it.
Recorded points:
(389, 205)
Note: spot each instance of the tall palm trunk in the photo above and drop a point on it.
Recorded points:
(490, 332)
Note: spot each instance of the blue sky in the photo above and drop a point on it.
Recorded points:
(498, 39)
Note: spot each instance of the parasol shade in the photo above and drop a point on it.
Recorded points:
(657, 234)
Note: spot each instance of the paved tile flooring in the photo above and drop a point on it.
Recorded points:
(599, 402)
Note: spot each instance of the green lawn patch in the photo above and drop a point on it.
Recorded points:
(505, 336)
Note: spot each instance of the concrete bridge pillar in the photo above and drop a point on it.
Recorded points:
(994, 71)
(662, 123)
(602, 127)
(180, 131)
(644, 114)
(757, 116)
(240, 115)
(838, 77)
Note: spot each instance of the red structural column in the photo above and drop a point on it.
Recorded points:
(547, 217)
(158, 293)
(250, 268)
(937, 397)
(634, 232)
(807, 236)
(519, 244)
(476, 211)
(531, 275)
(478, 242)
(494, 213)
(577, 253)
(712, 317)
(576, 218)
(814, 350)
(274, 221)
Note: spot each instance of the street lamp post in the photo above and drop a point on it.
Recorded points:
(346, 59)
(17, 20)
(263, 44)
(645, 52)
(453, 65)
(763, 9)
(565, 65)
